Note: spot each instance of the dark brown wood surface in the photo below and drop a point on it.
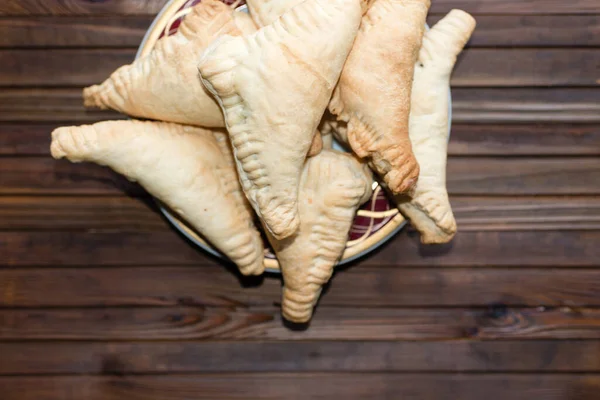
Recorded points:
(100, 299)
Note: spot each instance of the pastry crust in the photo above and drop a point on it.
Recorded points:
(373, 95)
(316, 145)
(265, 12)
(273, 87)
(244, 22)
(187, 168)
(428, 207)
(164, 85)
(333, 186)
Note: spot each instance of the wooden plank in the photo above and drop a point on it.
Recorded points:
(544, 7)
(277, 386)
(119, 213)
(466, 176)
(532, 30)
(527, 67)
(520, 105)
(472, 249)
(89, 31)
(209, 284)
(24, 140)
(328, 323)
(78, 7)
(60, 67)
(122, 31)
(476, 67)
(548, 139)
(43, 105)
(523, 176)
(117, 358)
(48, 176)
(526, 213)
(481, 105)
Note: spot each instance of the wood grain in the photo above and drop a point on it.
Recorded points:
(532, 30)
(472, 249)
(129, 358)
(520, 105)
(276, 386)
(523, 176)
(118, 213)
(476, 67)
(466, 176)
(545, 7)
(48, 176)
(328, 323)
(80, 7)
(527, 67)
(549, 139)
(209, 284)
(89, 31)
(43, 105)
(60, 67)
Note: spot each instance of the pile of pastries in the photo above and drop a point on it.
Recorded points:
(237, 116)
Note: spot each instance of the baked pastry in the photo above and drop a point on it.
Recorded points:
(187, 168)
(244, 22)
(165, 85)
(316, 145)
(428, 207)
(273, 87)
(373, 95)
(332, 187)
(265, 12)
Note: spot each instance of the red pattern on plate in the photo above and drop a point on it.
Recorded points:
(192, 3)
(361, 224)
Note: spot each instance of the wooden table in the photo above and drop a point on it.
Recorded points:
(101, 300)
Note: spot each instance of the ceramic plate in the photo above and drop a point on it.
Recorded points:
(376, 222)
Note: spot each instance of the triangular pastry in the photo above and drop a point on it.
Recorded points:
(273, 87)
(373, 95)
(185, 167)
(428, 207)
(332, 187)
(165, 85)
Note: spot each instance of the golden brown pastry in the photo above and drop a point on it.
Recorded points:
(373, 95)
(332, 187)
(429, 208)
(187, 168)
(165, 85)
(273, 87)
